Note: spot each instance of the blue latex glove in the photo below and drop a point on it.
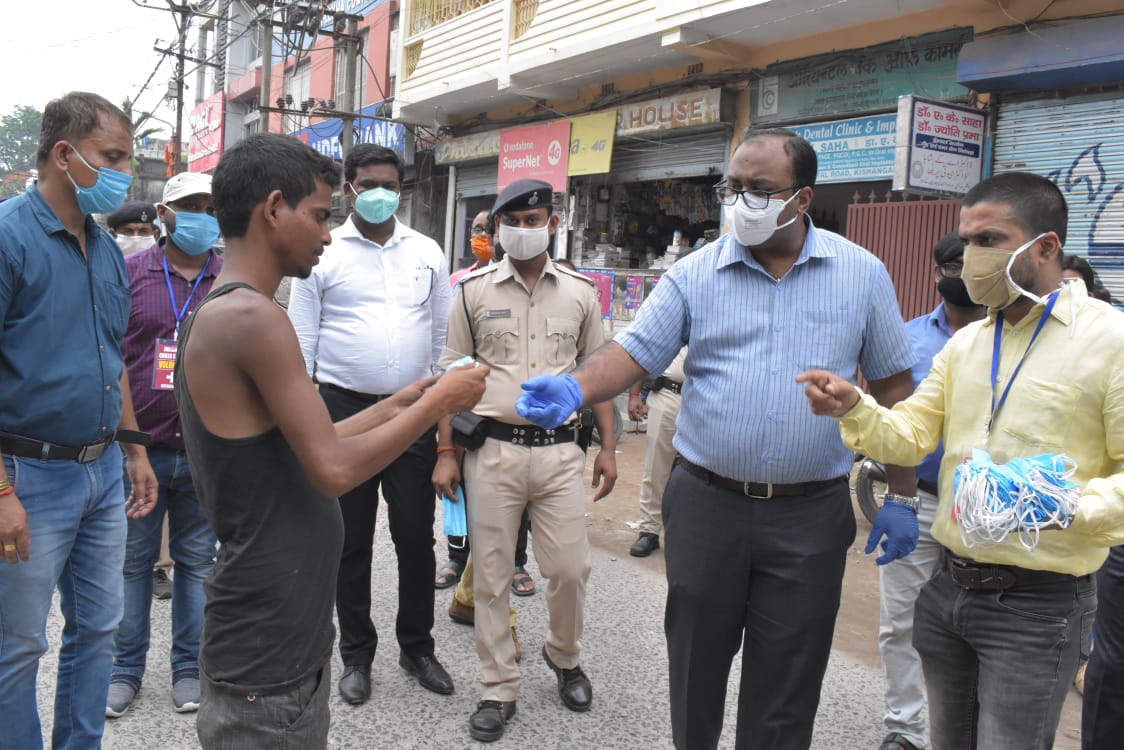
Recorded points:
(899, 525)
(549, 400)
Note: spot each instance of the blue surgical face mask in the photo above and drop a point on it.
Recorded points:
(194, 233)
(376, 206)
(106, 194)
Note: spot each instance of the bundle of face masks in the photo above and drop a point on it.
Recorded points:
(1024, 496)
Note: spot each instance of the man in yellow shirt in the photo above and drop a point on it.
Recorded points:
(1000, 626)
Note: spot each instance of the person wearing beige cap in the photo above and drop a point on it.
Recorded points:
(167, 282)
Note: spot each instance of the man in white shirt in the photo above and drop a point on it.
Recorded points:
(371, 319)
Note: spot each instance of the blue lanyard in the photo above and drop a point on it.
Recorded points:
(995, 357)
(183, 310)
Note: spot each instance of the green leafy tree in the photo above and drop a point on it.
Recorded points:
(19, 137)
(139, 120)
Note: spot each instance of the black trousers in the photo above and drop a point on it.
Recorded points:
(459, 546)
(1102, 710)
(761, 575)
(407, 486)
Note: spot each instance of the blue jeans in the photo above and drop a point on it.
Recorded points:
(77, 520)
(192, 546)
(998, 664)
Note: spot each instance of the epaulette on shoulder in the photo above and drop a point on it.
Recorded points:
(480, 272)
(574, 274)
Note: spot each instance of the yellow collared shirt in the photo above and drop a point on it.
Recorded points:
(1068, 398)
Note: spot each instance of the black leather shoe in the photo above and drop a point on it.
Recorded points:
(431, 675)
(490, 720)
(355, 685)
(646, 544)
(573, 686)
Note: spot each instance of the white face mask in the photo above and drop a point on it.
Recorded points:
(754, 226)
(524, 244)
(130, 245)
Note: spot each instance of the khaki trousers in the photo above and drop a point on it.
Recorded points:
(503, 479)
(659, 455)
(465, 594)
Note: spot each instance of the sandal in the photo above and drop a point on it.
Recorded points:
(450, 575)
(521, 583)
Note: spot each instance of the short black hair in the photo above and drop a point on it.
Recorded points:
(72, 117)
(949, 247)
(369, 153)
(1072, 262)
(802, 154)
(1036, 202)
(256, 166)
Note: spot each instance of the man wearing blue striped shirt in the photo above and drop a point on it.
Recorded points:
(757, 513)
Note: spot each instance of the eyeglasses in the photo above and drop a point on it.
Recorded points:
(952, 269)
(479, 230)
(728, 196)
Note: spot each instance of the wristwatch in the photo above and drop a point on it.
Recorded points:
(910, 501)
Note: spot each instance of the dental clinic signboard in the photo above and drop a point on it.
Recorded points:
(939, 148)
(539, 152)
(859, 149)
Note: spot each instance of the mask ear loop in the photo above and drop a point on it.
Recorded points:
(1011, 262)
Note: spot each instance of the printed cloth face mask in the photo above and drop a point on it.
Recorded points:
(377, 205)
(106, 194)
(524, 244)
(195, 233)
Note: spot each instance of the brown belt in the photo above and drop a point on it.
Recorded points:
(758, 490)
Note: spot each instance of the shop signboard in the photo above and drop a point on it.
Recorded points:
(602, 279)
(859, 149)
(325, 136)
(859, 80)
(467, 147)
(591, 143)
(539, 152)
(939, 147)
(208, 125)
(686, 110)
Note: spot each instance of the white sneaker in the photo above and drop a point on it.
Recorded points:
(119, 698)
(185, 695)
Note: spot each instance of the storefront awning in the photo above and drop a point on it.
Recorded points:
(1080, 53)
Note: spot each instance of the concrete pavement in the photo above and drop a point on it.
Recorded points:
(624, 656)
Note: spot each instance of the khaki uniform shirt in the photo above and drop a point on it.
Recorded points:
(521, 335)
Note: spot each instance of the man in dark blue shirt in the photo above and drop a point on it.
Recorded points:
(64, 397)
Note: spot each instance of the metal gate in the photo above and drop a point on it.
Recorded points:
(666, 155)
(477, 178)
(902, 235)
(1078, 142)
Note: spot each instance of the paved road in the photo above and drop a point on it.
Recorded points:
(625, 658)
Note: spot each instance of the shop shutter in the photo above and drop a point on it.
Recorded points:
(475, 179)
(1077, 141)
(663, 156)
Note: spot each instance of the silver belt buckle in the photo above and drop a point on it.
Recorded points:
(92, 452)
(747, 493)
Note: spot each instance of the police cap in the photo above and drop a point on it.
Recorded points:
(132, 212)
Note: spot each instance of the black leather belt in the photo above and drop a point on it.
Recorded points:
(14, 445)
(975, 576)
(530, 435)
(662, 383)
(368, 397)
(758, 490)
(927, 486)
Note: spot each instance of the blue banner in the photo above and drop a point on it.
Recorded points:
(324, 136)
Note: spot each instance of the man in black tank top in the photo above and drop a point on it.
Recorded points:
(267, 459)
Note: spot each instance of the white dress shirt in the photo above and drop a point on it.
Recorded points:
(372, 318)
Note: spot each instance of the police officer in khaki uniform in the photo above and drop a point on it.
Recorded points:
(525, 316)
(662, 408)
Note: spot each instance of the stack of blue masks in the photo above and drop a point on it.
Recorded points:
(1024, 496)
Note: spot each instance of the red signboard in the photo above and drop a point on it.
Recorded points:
(207, 125)
(540, 152)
